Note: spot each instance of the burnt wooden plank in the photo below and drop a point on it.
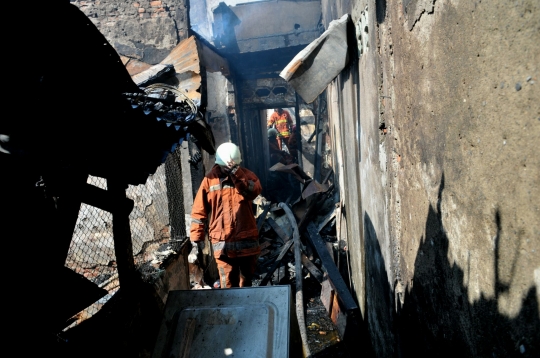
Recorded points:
(327, 219)
(123, 248)
(104, 199)
(278, 230)
(73, 293)
(270, 272)
(262, 217)
(265, 244)
(310, 266)
(315, 202)
(335, 277)
(327, 294)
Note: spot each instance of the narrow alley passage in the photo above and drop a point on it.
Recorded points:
(391, 145)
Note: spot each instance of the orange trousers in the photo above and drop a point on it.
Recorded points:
(282, 140)
(237, 271)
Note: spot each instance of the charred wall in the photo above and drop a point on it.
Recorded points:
(144, 30)
(426, 131)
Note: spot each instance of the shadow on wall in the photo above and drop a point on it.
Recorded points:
(436, 316)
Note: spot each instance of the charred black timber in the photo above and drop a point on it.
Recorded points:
(123, 247)
(310, 266)
(315, 132)
(68, 206)
(330, 267)
(278, 230)
(311, 208)
(270, 272)
(105, 200)
(307, 214)
(262, 217)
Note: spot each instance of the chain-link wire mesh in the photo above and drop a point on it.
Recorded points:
(91, 252)
(157, 224)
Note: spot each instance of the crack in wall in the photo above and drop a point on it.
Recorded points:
(418, 8)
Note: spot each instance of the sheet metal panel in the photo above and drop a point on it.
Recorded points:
(237, 322)
(313, 68)
(185, 59)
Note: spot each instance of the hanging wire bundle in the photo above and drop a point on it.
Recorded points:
(166, 102)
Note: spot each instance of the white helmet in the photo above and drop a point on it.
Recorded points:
(226, 152)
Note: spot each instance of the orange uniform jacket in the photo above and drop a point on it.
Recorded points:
(225, 204)
(282, 123)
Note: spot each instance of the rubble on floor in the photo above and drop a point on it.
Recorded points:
(328, 305)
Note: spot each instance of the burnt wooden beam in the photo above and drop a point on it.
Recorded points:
(314, 203)
(327, 219)
(105, 199)
(68, 205)
(315, 132)
(278, 230)
(346, 311)
(330, 267)
(262, 217)
(327, 177)
(270, 272)
(309, 212)
(310, 266)
(123, 247)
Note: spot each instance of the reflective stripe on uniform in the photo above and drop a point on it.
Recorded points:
(222, 277)
(196, 221)
(215, 187)
(235, 245)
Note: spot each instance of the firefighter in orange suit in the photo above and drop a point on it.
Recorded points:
(294, 142)
(276, 154)
(282, 120)
(223, 205)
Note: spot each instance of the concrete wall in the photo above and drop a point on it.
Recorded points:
(142, 29)
(267, 93)
(252, 26)
(276, 24)
(217, 109)
(438, 175)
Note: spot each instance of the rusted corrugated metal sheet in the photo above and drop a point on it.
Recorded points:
(133, 66)
(155, 74)
(185, 59)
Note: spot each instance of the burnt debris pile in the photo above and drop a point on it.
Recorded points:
(329, 310)
(303, 250)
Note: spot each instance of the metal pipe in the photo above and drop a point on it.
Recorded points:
(298, 273)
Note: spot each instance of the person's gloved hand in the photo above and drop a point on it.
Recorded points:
(230, 168)
(196, 248)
